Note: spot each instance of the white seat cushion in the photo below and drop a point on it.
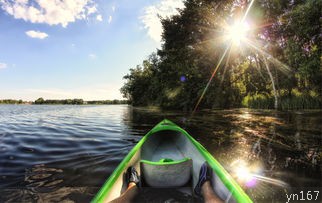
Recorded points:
(166, 172)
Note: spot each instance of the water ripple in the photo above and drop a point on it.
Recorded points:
(65, 153)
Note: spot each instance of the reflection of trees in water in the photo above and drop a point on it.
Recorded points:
(305, 157)
(273, 139)
(297, 139)
(285, 143)
(308, 159)
(284, 150)
(256, 149)
(271, 159)
(271, 154)
(280, 145)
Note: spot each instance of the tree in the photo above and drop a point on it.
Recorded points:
(39, 101)
(287, 60)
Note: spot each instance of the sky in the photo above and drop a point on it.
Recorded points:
(75, 48)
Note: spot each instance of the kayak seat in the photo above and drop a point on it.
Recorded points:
(166, 172)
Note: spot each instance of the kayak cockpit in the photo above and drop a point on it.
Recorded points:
(169, 159)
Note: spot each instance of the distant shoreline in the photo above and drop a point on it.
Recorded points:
(42, 101)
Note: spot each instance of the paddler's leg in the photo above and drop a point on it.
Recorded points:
(203, 187)
(208, 193)
(129, 194)
(132, 179)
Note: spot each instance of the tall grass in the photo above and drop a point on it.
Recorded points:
(294, 101)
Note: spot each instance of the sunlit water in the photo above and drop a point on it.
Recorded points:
(65, 153)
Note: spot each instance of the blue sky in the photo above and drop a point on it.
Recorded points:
(75, 48)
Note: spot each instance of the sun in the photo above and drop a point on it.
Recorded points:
(237, 32)
(243, 173)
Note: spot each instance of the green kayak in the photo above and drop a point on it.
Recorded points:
(168, 157)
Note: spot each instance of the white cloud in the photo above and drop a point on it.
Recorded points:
(99, 18)
(50, 12)
(91, 9)
(3, 65)
(36, 34)
(151, 21)
(110, 18)
(113, 8)
(92, 56)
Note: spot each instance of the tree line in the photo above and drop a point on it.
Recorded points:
(12, 101)
(41, 100)
(278, 63)
(57, 101)
(78, 101)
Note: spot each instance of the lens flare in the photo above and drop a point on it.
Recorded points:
(237, 32)
(183, 78)
(250, 175)
(243, 173)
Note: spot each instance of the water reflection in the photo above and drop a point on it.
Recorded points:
(65, 153)
(265, 141)
(272, 144)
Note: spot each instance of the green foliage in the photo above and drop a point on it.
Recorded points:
(143, 85)
(115, 101)
(40, 101)
(12, 101)
(295, 101)
(262, 101)
(289, 60)
(78, 101)
(57, 101)
(64, 101)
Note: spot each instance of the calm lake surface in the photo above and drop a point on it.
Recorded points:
(65, 153)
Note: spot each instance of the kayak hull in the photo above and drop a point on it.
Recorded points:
(167, 140)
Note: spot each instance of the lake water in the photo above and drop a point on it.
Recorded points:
(65, 153)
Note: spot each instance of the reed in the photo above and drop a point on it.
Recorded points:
(295, 101)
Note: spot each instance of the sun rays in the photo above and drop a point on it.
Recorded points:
(238, 38)
(237, 32)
